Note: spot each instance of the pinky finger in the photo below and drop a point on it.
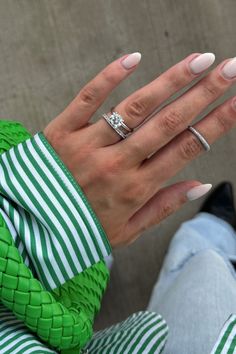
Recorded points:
(167, 201)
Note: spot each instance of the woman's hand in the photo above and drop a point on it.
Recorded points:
(123, 183)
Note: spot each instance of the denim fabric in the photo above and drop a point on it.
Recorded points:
(196, 289)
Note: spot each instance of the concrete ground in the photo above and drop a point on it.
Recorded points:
(50, 48)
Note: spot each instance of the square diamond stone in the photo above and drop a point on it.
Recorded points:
(116, 120)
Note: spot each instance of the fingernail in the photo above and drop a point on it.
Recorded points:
(229, 69)
(202, 62)
(131, 60)
(198, 191)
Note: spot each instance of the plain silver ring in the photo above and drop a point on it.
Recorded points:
(200, 138)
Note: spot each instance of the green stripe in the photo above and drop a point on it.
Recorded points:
(49, 204)
(158, 343)
(61, 181)
(232, 346)
(21, 224)
(128, 329)
(107, 335)
(23, 341)
(72, 197)
(64, 206)
(148, 340)
(11, 340)
(11, 211)
(100, 337)
(136, 327)
(139, 326)
(37, 206)
(32, 345)
(78, 189)
(224, 338)
(13, 329)
(142, 334)
(34, 252)
(17, 326)
(8, 324)
(10, 214)
(17, 242)
(16, 194)
(24, 253)
(51, 269)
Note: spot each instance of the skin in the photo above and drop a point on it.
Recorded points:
(123, 179)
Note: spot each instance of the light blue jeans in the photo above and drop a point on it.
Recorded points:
(196, 289)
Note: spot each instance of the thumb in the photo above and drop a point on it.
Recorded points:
(167, 201)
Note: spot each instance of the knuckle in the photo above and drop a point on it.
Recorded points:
(190, 148)
(165, 211)
(210, 90)
(114, 165)
(137, 108)
(133, 192)
(177, 82)
(135, 149)
(222, 122)
(88, 94)
(108, 75)
(180, 77)
(171, 122)
(54, 136)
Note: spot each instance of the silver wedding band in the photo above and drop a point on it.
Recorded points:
(200, 138)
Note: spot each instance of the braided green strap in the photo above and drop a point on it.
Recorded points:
(63, 317)
(85, 290)
(54, 323)
(11, 134)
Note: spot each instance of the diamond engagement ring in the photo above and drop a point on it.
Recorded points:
(200, 138)
(116, 121)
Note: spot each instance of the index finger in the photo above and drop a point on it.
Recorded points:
(138, 106)
(94, 93)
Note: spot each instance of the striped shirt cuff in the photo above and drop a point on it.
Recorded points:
(65, 237)
(226, 342)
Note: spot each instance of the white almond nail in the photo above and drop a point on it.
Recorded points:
(131, 60)
(202, 62)
(198, 191)
(229, 69)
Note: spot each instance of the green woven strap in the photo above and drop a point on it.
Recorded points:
(85, 290)
(63, 317)
(11, 134)
(23, 294)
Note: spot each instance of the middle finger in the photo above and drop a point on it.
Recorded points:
(176, 116)
(138, 106)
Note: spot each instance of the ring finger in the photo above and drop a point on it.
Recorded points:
(141, 104)
(176, 116)
(173, 157)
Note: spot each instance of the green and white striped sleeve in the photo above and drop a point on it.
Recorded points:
(142, 332)
(226, 343)
(49, 212)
